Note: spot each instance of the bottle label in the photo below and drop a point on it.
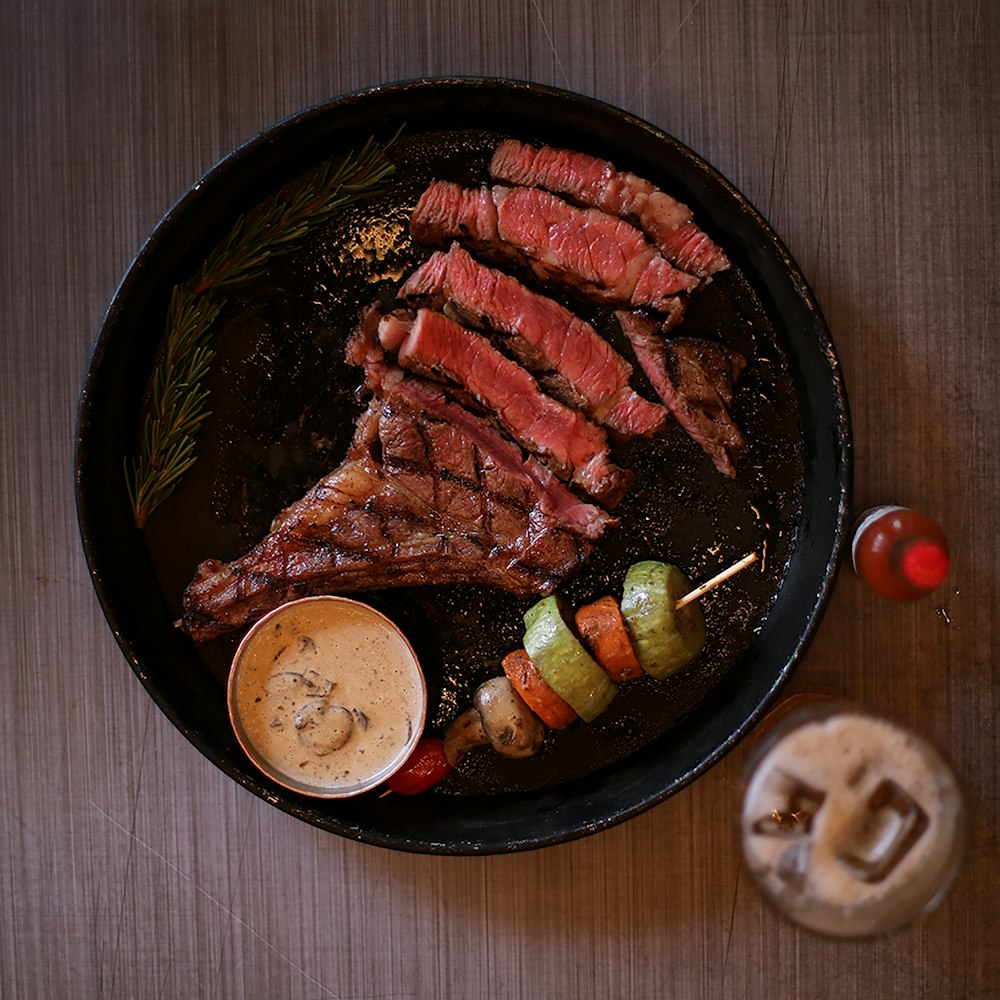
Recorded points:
(862, 524)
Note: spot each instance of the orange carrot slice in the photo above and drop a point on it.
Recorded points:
(605, 634)
(532, 687)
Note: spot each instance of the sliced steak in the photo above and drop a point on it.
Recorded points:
(604, 257)
(448, 211)
(392, 383)
(695, 379)
(575, 447)
(598, 183)
(571, 359)
(428, 495)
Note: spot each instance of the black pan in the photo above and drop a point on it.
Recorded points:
(283, 405)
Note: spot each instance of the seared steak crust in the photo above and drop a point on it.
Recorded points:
(429, 494)
(695, 378)
(415, 503)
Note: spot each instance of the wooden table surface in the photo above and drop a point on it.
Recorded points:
(865, 131)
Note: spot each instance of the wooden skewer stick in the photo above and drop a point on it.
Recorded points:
(704, 588)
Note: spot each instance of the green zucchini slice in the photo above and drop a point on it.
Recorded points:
(563, 662)
(665, 639)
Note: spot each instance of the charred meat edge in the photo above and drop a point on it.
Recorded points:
(695, 379)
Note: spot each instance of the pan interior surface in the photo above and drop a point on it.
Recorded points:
(283, 406)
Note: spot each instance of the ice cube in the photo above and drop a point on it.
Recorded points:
(885, 831)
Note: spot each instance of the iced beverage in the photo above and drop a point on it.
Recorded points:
(851, 824)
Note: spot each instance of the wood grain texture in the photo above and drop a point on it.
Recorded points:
(864, 130)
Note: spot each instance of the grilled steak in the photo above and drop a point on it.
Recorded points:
(459, 465)
(694, 378)
(595, 182)
(429, 494)
(604, 257)
(576, 448)
(572, 361)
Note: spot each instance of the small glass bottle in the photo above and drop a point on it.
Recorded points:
(900, 553)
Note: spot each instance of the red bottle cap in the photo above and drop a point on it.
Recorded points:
(925, 565)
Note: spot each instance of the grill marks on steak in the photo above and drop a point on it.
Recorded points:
(598, 183)
(570, 358)
(426, 496)
(576, 449)
(390, 382)
(605, 258)
(695, 379)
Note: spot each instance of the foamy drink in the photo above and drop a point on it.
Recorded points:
(851, 824)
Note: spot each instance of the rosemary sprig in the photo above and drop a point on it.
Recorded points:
(176, 403)
(293, 212)
(177, 396)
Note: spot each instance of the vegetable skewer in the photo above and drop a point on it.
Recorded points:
(557, 678)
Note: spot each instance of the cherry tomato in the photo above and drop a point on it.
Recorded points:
(425, 767)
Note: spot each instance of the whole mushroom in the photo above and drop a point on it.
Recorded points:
(499, 718)
(511, 727)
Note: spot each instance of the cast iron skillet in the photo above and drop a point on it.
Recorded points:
(283, 405)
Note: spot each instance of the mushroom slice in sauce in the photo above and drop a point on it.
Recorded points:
(292, 682)
(323, 728)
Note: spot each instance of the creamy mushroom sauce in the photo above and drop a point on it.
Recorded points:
(327, 695)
